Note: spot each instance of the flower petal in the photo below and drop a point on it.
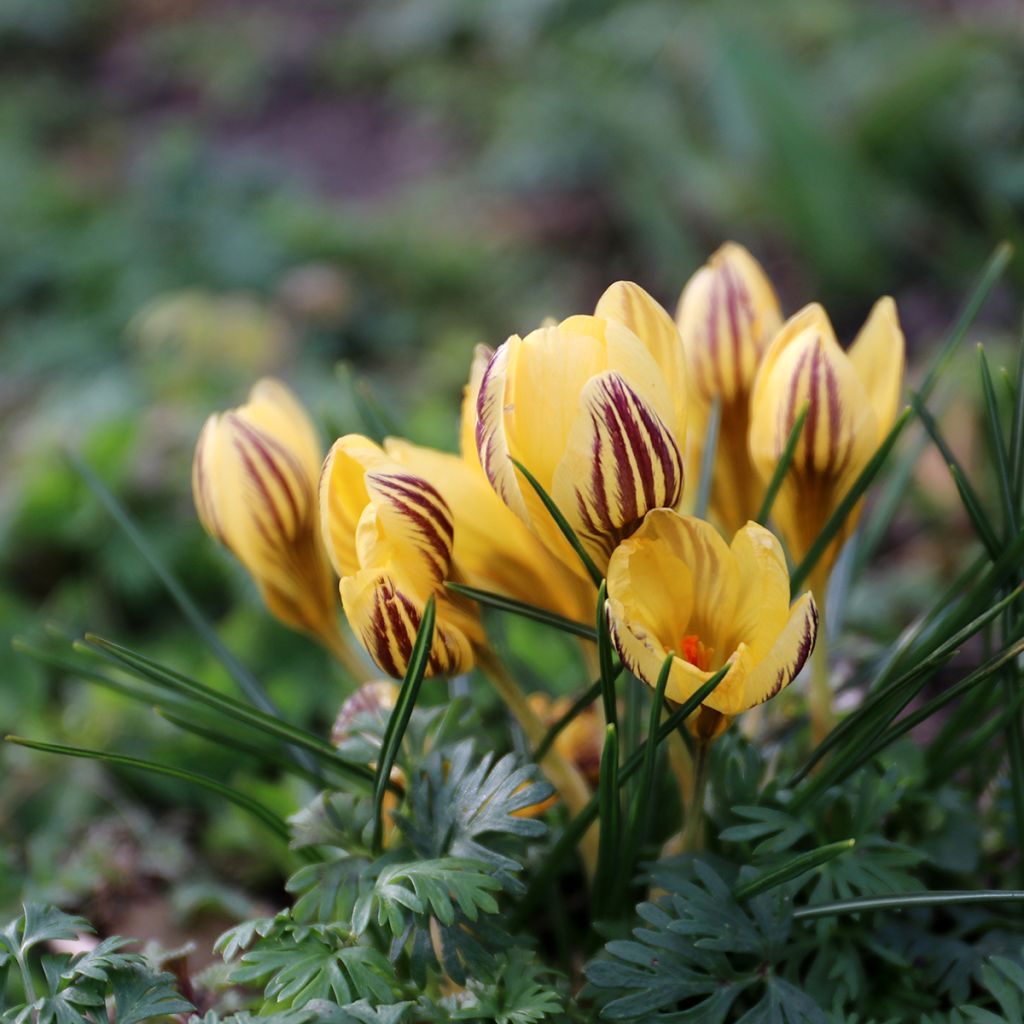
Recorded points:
(782, 664)
(728, 313)
(763, 605)
(387, 619)
(877, 354)
(621, 461)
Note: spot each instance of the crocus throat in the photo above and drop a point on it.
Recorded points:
(694, 651)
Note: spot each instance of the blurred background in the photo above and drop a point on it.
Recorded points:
(197, 192)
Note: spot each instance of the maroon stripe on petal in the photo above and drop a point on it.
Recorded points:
(376, 638)
(256, 479)
(787, 423)
(262, 444)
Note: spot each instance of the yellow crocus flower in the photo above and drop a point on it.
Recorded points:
(676, 586)
(596, 412)
(390, 537)
(493, 549)
(728, 314)
(852, 400)
(254, 479)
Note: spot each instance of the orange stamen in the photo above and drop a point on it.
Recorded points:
(694, 651)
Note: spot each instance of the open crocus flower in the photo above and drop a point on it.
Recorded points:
(254, 477)
(594, 408)
(727, 316)
(390, 535)
(852, 400)
(675, 586)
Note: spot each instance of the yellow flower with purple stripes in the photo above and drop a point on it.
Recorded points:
(390, 537)
(728, 314)
(852, 400)
(595, 409)
(254, 477)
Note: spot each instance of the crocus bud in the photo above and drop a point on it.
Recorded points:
(589, 408)
(852, 399)
(389, 535)
(254, 478)
(727, 316)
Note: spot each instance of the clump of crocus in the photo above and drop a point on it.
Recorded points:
(594, 408)
(728, 314)
(254, 478)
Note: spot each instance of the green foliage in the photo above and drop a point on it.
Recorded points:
(78, 988)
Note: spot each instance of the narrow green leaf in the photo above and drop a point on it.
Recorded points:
(375, 416)
(791, 869)
(785, 459)
(883, 704)
(583, 701)
(643, 797)
(256, 809)
(247, 683)
(219, 738)
(997, 443)
(289, 734)
(606, 658)
(400, 715)
(968, 495)
(579, 825)
(1017, 429)
(608, 865)
(846, 506)
(562, 523)
(907, 901)
(707, 462)
(891, 498)
(990, 274)
(524, 610)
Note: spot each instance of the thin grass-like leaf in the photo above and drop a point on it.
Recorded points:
(289, 734)
(643, 797)
(1017, 429)
(606, 659)
(562, 523)
(845, 507)
(707, 462)
(907, 901)
(374, 415)
(785, 460)
(793, 868)
(609, 839)
(997, 444)
(246, 681)
(579, 825)
(968, 495)
(400, 715)
(524, 610)
(253, 807)
(222, 739)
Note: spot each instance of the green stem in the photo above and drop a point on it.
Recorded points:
(26, 980)
(693, 829)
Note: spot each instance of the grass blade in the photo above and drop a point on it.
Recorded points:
(524, 610)
(608, 866)
(785, 459)
(792, 869)
(846, 506)
(398, 720)
(606, 659)
(562, 523)
(268, 724)
(997, 443)
(247, 683)
(256, 809)
(707, 462)
(643, 798)
(906, 901)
